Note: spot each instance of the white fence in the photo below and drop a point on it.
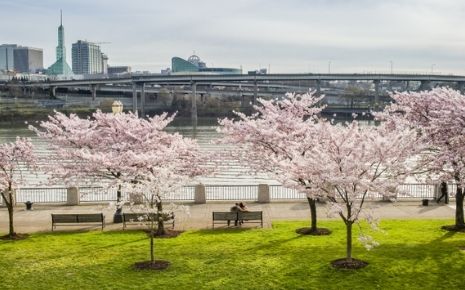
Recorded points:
(212, 193)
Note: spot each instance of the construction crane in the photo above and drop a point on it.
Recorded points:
(100, 42)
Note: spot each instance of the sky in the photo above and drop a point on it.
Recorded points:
(292, 36)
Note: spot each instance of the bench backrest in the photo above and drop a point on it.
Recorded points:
(77, 218)
(89, 218)
(250, 215)
(222, 216)
(64, 218)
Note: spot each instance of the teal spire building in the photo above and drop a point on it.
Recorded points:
(60, 67)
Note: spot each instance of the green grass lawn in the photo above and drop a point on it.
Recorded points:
(413, 254)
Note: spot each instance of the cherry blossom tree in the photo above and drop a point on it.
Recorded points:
(116, 148)
(439, 116)
(351, 164)
(346, 163)
(150, 192)
(267, 138)
(14, 156)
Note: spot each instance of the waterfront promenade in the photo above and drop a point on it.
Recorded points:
(200, 216)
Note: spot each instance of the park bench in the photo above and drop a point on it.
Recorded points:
(77, 219)
(250, 217)
(135, 218)
(239, 217)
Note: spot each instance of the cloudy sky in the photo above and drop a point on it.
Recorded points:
(415, 36)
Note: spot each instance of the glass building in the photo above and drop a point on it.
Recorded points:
(60, 67)
(7, 57)
(87, 58)
(28, 59)
(194, 65)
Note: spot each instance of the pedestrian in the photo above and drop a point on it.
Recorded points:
(444, 193)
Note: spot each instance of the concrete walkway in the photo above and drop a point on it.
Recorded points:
(200, 216)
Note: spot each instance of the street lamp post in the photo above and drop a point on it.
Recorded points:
(117, 108)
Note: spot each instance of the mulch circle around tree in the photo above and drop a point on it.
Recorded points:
(453, 228)
(148, 265)
(168, 234)
(16, 237)
(352, 264)
(309, 231)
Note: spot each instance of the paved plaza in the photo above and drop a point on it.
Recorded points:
(199, 216)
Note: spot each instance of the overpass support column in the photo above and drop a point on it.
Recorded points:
(134, 98)
(194, 104)
(425, 86)
(377, 91)
(407, 85)
(93, 89)
(142, 100)
(318, 87)
(255, 93)
(53, 92)
(461, 86)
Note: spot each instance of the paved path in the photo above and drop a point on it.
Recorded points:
(200, 217)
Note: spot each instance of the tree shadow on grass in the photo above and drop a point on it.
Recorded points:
(445, 236)
(433, 265)
(95, 246)
(273, 243)
(221, 231)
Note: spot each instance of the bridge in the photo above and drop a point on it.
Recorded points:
(253, 85)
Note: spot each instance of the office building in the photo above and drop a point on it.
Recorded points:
(28, 59)
(7, 57)
(87, 58)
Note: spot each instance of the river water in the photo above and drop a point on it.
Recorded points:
(205, 134)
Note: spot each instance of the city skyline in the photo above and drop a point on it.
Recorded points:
(299, 36)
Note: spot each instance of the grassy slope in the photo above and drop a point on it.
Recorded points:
(413, 254)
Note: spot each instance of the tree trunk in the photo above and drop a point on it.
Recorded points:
(349, 240)
(10, 216)
(312, 204)
(459, 218)
(161, 225)
(9, 200)
(152, 255)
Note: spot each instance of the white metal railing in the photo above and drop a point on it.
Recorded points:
(213, 192)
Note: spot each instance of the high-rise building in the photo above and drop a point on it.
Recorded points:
(104, 63)
(7, 57)
(60, 67)
(28, 59)
(87, 58)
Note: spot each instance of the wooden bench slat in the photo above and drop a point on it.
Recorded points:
(240, 216)
(77, 219)
(251, 215)
(224, 215)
